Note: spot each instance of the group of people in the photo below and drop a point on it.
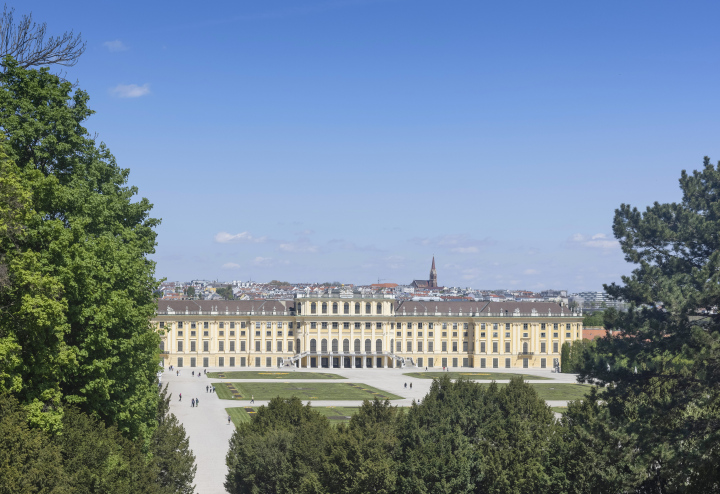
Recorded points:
(406, 385)
(209, 389)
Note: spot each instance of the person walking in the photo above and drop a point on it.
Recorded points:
(410, 385)
(207, 388)
(192, 402)
(177, 373)
(405, 385)
(228, 419)
(180, 396)
(252, 399)
(197, 402)
(193, 373)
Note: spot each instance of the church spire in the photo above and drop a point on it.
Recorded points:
(433, 275)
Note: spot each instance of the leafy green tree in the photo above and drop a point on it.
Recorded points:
(663, 372)
(281, 450)
(594, 320)
(170, 450)
(225, 292)
(191, 291)
(78, 300)
(361, 456)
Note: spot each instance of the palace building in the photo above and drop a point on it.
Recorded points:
(346, 328)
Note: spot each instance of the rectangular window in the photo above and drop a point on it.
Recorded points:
(192, 325)
(430, 325)
(430, 334)
(367, 325)
(555, 335)
(268, 346)
(454, 334)
(205, 325)
(180, 362)
(290, 326)
(555, 326)
(357, 325)
(455, 347)
(192, 347)
(482, 347)
(335, 325)
(180, 346)
(205, 362)
(507, 363)
(180, 325)
(242, 333)
(398, 347)
(346, 325)
(444, 325)
(206, 333)
(420, 346)
(495, 363)
(507, 326)
(525, 335)
(420, 325)
(268, 361)
(420, 362)
(431, 361)
(444, 362)
(409, 334)
(542, 335)
(482, 326)
(206, 345)
(495, 326)
(221, 361)
(419, 334)
(454, 325)
(257, 361)
(567, 327)
(465, 346)
(242, 346)
(290, 333)
(409, 346)
(495, 346)
(482, 335)
(543, 348)
(507, 347)
(243, 362)
(444, 346)
(542, 326)
(232, 346)
(192, 333)
(242, 324)
(279, 346)
(313, 325)
(465, 362)
(542, 363)
(290, 346)
(162, 324)
(555, 347)
(378, 325)
(221, 346)
(323, 325)
(430, 346)
(193, 362)
(507, 335)
(268, 325)
(465, 326)
(232, 326)
(180, 333)
(268, 333)
(279, 361)
(444, 334)
(398, 334)
(221, 333)
(482, 363)
(525, 326)
(258, 325)
(567, 335)
(455, 362)
(257, 346)
(232, 361)
(222, 325)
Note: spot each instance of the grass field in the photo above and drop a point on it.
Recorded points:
(476, 376)
(334, 414)
(559, 391)
(559, 409)
(304, 391)
(272, 375)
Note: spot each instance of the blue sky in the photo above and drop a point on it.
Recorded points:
(352, 140)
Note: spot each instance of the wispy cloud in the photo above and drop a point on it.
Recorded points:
(267, 262)
(115, 45)
(238, 238)
(231, 265)
(302, 245)
(130, 90)
(531, 271)
(305, 232)
(597, 241)
(347, 245)
(458, 243)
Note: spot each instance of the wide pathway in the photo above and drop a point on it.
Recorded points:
(207, 426)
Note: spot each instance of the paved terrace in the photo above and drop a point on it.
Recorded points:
(209, 432)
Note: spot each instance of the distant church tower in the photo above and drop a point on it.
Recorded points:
(433, 275)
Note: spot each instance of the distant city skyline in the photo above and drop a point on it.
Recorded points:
(318, 140)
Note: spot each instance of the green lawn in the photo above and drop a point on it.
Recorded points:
(334, 414)
(560, 391)
(272, 375)
(476, 376)
(304, 391)
(559, 409)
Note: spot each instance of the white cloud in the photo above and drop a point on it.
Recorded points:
(466, 250)
(531, 271)
(130, 90)
(301, 246)
(305, 232)
(115, 45)
(242, 237)
(230, 265)
(262, 261)
(597, 241)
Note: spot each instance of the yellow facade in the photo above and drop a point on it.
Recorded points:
(344, 328)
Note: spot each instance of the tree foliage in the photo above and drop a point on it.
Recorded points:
(78, 296)
(663, 372)
(25, 42)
